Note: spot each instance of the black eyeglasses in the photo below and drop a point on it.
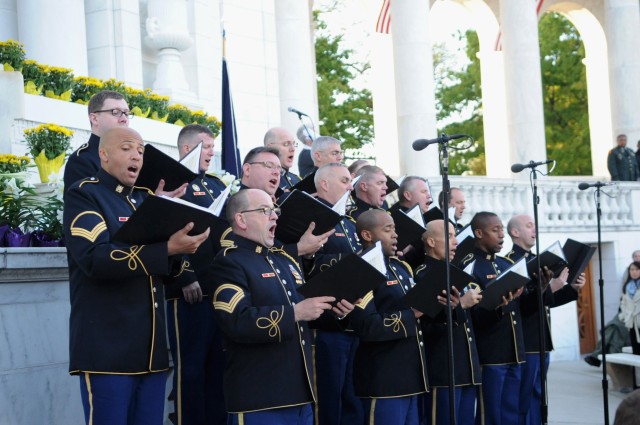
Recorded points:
(117, 113)
(266, 211)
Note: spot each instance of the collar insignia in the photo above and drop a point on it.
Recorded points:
(195, 187)
(119, 188)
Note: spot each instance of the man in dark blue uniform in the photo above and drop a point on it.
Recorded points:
(521, 229)
(390, 371)
(621, 161)
(466, 363)
(194, 337)
(282, 140)
(268, 375)
(371, 190)
(107, 109)
(117, 325)
(335, 345)
(499, 332)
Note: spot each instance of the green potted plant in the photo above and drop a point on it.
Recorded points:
(11, 55)
(17, 206)
(84, 88)
(48, 145)
(34, 77)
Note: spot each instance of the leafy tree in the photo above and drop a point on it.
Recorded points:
(458, 94)
(565, 96)
(345, 112)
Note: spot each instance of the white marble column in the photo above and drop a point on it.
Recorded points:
(114, 46)
(415, 99)
(296, 61)
(496, 140)
(523, 82)
(53, 32)
(168, 33)
(622, 19)
(8, 20)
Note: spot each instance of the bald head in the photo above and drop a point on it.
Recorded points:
(281, 139)
(434, 240)
(332, 181)
(121, 150)
(522, 230)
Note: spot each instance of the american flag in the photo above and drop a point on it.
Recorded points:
(384, 18)
(498, 45)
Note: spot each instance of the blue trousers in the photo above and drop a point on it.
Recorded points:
(296, 415)
(438, 405)
(531, 390)
(392, 411)
(123, 399)
(196, 348)
(500, 395)
(337, 402)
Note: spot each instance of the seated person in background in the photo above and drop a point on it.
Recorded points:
(630, 305)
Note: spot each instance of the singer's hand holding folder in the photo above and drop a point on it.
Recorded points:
(552, 258)
(350, 278)
(510, 280)
(578, 256)
(159, 217)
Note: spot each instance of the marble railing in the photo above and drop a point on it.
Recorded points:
(562, 205)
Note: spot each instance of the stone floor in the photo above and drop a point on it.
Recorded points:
(575, 394)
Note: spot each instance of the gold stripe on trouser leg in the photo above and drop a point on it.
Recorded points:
(372, 412)
(240, 418)
(90, 397)
(177, 365)
(434, 405)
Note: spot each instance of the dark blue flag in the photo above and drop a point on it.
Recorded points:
(230, 155)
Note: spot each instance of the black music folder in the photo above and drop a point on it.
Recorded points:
(423, 296)
(350, 278)
(466, 241)
(159, 217)
(552, 258)
(392, 184)
(158, 165)
(408, 229)
(299, 209)
(512, 279)
(307, 184)
(578, 256)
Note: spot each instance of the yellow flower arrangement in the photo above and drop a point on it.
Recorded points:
(180, 115)
(10, 163)
(11, 55)
(34, 77)
(58, 82)
(48, 145)
(138, 101)
(84, 88)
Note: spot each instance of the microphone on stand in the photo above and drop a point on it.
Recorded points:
(295, 111)
(585, 185)
(516, 168)
(420, 144)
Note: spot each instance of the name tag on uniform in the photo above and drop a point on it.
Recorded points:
(339, 234)
(491, 276)
(123, 218)
(392, 282)
(268, 274)
(198, 193)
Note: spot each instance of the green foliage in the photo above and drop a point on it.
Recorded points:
(346, 113)
(459, 94)
(565, 96)
(11, 55)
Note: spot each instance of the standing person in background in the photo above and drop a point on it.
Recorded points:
(194, 337)
(621, 161)
(638, 156)
(356, 165)
(305, 162)
(107, 109)
(457, 200)
(280, 139)
(630, 305)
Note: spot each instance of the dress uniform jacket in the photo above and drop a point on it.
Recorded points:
(201, 191)
(529, 307)
(268, 353)
(390, 360)
(359, 206)
(499, 332)
(288, 179)
(117, 322)
(83, 163)
(622, 164)
(466, 362)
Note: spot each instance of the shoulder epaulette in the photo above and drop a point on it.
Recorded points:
(509, 260)
(420, 268)
(88, 180)
(149, 191)
(208, 174)
(509, 254)
(224, 242)
(81, 148)
(286, 254)
(227, 249)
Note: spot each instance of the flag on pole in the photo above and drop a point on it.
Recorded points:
(383, 25)
(498, 45)
(230, 155)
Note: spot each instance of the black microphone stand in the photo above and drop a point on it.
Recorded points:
(306, 130)
(544, 408)
(605, 382)
(445, 211)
